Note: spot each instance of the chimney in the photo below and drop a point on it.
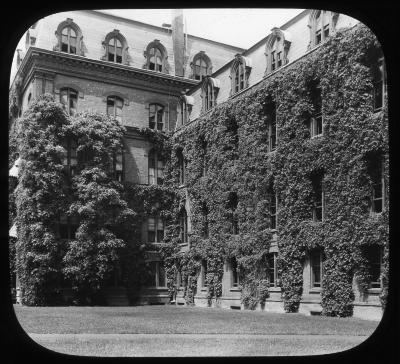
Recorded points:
(178, 41)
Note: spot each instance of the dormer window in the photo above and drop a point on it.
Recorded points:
(322, 25)
(69, 38)
(209, 93)
(116, 48)
(277, 48)
(201, 66)
(240, 72)
(156, 57)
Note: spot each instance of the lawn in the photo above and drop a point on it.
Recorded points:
(181, 331)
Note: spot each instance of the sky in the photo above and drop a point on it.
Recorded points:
(238, 27)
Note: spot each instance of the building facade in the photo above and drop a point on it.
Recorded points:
(163, 79)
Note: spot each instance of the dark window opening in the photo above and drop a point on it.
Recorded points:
(374, 254)
(235, 275)
(156, 116)
(114, 107)
(316, 265)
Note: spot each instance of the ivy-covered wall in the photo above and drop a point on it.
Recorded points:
(226, 153)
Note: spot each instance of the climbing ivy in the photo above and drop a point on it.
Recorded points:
(229, 144)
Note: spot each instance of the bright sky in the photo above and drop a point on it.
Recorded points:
(238, 27)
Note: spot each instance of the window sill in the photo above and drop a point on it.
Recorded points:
(317, 136)
(234, 289)
(182, 186)
(158, 288)
(315, 290)
(274, 289)
(272, 152)
(374, 291)
(203, 289)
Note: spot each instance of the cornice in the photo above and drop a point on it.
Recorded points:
(41, 60)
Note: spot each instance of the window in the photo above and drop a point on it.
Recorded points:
(114, 50)
(272, 208)
(239, 76)
(375, 172)
(316, 266)
(318, 197)
(209, 93)
(156, 116)
(183, 227)
(69, 100)
(114, 107)
(204, 274)
(273, 274)
(322, 25)
(378, 85)
(315, 123)
(158, 278)
(69, 38)
(201, 66)
(232, 204)
(374, 255)
(156, 169)
(156, 57)
(155, 61)
(277, 48)
(271, 125)
(67, 227)
(240, 71)
(183, 111)
(155, 230)
(181, 165)
(118, 166)
(204, 210)
(234, 271)
(70, 157)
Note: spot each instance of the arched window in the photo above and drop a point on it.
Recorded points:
(155, 60)
(209, 91)
(156, 57)
(156, 169)
(201, 66)
(69, 100)
(240, 71)
(114, 107)
(322, 24)
(156, 117)
(116, 48)
(277, 48)
(70, 39)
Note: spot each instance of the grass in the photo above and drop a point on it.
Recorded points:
(187, 331)
(182, 320)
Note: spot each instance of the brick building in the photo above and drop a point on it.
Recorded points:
(162, 78)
